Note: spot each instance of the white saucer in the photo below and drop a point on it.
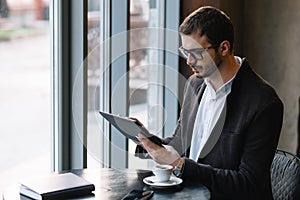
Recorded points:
(151, 180)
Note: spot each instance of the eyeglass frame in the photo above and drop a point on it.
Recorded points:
(196, 57)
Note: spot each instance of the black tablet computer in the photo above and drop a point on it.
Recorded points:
(130, 127)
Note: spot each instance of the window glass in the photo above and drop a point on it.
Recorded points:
(24, 90)
(145, 76)
(94, 136)
(145, 71)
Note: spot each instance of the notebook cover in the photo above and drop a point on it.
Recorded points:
(59, 186)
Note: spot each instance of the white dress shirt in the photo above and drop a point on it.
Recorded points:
(209, 110)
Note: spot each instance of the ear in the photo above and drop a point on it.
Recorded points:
(224, 48)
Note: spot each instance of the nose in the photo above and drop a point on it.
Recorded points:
(189, 63)
(189, 60)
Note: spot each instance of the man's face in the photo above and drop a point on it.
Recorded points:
(200, 54)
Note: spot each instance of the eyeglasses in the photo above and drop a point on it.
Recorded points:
(197, 54)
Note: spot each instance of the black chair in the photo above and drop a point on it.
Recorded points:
(285, 176)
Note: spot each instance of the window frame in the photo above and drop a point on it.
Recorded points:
(69, 49)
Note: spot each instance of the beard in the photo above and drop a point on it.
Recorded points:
(213, 67)
(206, 71)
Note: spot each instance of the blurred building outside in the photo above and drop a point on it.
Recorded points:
(24, 90)
(25, 69)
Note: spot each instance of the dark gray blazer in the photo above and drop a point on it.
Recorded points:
(235, 162)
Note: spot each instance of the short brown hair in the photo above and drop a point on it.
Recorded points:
(209, 21)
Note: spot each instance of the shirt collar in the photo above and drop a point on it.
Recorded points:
(225, 89)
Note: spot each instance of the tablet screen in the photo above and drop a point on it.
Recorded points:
(129, 127)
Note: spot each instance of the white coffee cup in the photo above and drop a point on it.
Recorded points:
(162, 172)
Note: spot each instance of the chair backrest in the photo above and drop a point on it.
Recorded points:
(285, 176)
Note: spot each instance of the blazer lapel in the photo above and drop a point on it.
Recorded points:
(215, 134)
(192, 115)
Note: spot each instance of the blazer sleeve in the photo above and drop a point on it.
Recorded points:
(190, 92)
(247, 181)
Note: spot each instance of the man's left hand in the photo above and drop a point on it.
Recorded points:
(163, 155)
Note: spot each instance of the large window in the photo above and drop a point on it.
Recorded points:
(24, 90)
(111, 56)
(103, 57)
(127, 75)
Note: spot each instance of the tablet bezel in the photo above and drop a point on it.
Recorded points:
(127, 126)
(130, 127)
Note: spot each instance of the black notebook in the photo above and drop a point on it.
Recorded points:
(59, 186)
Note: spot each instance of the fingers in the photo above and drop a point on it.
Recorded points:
(153, 149)
(148, 144)
(137, 121)
(136, 142)
(147, 195)
(145, 143)
(162, 155)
